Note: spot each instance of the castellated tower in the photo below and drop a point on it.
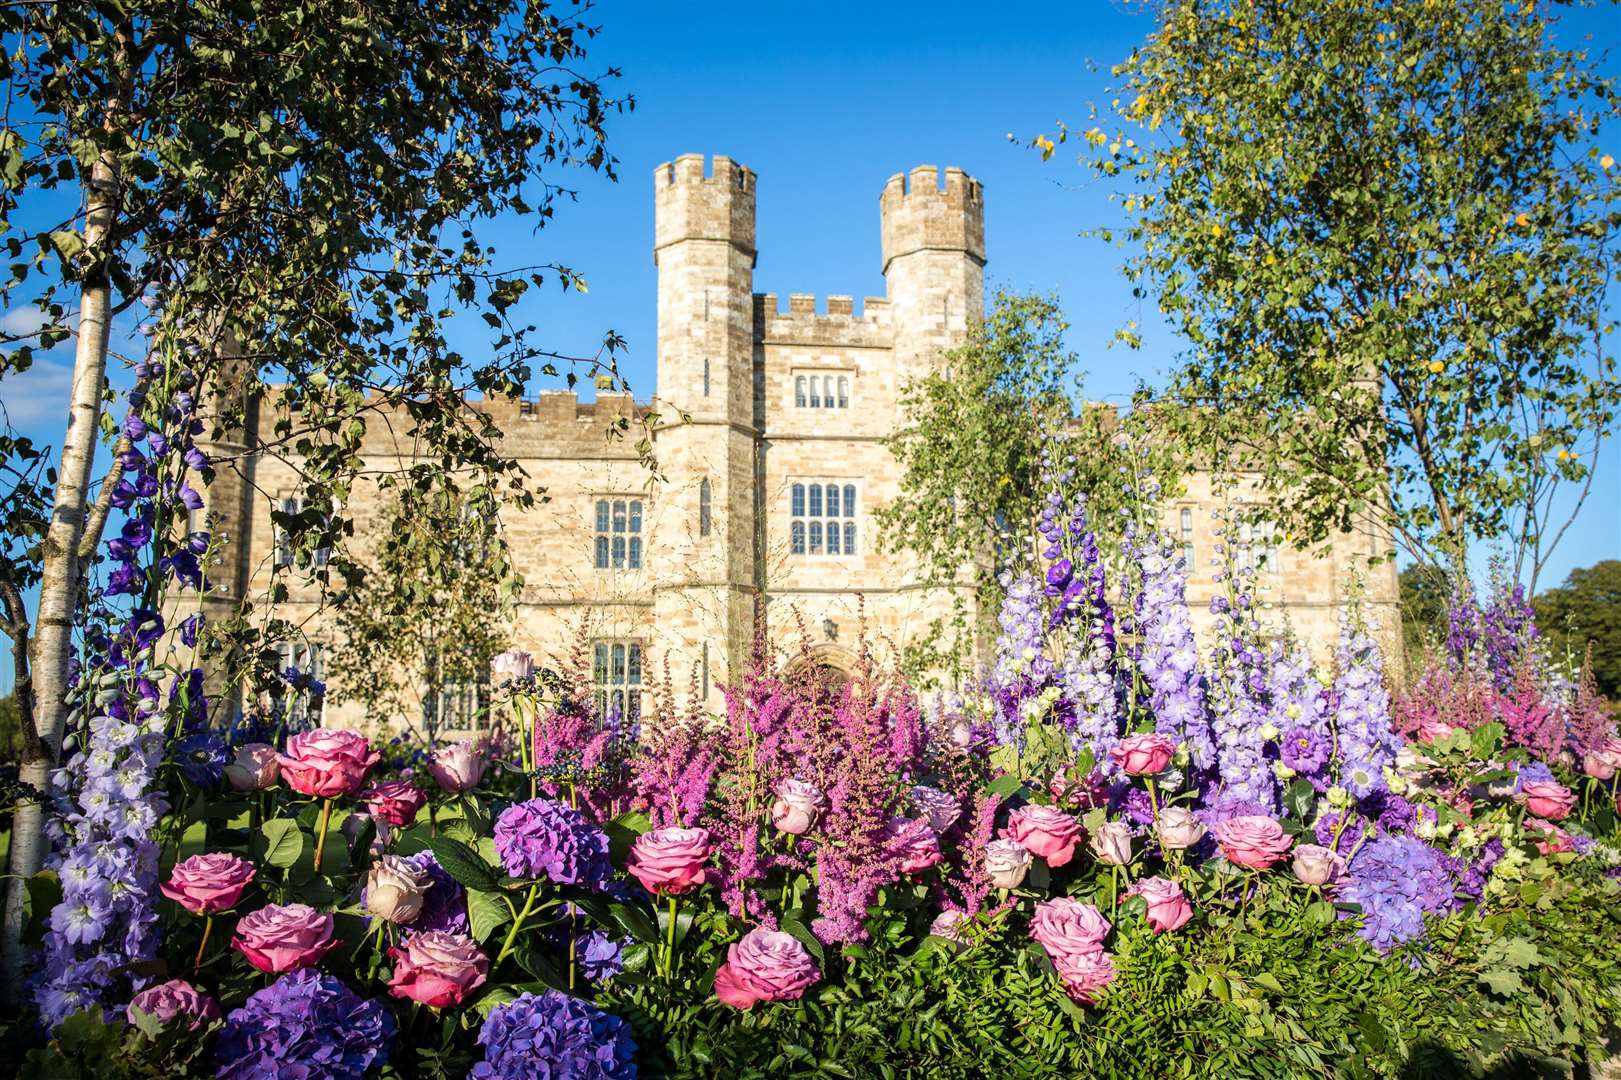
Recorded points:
(706, 436)
(933, 263)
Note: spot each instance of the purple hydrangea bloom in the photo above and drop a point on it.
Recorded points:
(304, 1025)
(550, 839)
(1397, 880)
(601, 957)
(554, 1035)
(444, 905)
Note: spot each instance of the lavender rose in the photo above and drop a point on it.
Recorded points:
(209, 884)
(327, 762)
(1006, 863)
(1168, 907)
(457, 768)
(1065, 926)
(1252, 840)
(176, 998)
(256, 767)
(670, 860)
(767, 965)
(799, 806)
(1143, 755)
(437, 968)
(283, 937)
(1112, 843)
(1177, 828)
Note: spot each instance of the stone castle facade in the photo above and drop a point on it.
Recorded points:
(770, 437)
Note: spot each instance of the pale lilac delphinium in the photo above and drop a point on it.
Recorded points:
(1087, 674)
(1022, 672)
(1166, 656)
(1240, 704)
(1367, 745)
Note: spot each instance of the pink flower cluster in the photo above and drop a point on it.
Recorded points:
(1073, 934)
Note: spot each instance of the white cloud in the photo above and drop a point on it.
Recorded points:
(37, 397)
(22, 320)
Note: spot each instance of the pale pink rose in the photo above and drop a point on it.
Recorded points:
(327, 762)
(395, 889)
(1006, 863)
(1168, 907)
(284, 937)
(1066, 925)
(176, 998)
(381, 833)
(940, 809)
(948, 924)
(913, 843)
(437, 968)
(671, 860)
(1177, 828)
(1143, 755)
(1252, 840)
(767, 965)
(1111, 844)
(1084, 973)
(396, 801)
(1046, 830)
(799, 807)
(209, 884)
(1433, 728)
(1318, 865)
(256, 767)
(458, 767)
(1548, 799)
(1556, 840)
(1603, 761)
(510, 665)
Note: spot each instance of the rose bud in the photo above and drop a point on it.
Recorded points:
(209, 884)
(395, 889)
(1006, 863)
(1046, 831)
(1168, 907)
(1143, 755)
(176, 998)
(1177, 828)
(457, 768)
(1112, 843)
(256, 767)
(1317, 865)
(397, 802)
(284, 937)
(437, 968)
(327, 762)
(670, 860)
(798, 808)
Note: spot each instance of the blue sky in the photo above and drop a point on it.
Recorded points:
(825, 102)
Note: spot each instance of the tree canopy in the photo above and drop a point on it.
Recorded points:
(1586, 612)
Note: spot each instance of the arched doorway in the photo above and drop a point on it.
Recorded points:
(825, 668)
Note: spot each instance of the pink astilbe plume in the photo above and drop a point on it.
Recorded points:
(1591, 725)
(1442, 699)
(969, 878)
(1528, 717)
(671, 778)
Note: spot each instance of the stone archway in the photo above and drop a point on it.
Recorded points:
(826, 667)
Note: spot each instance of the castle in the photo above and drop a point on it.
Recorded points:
(771, 440)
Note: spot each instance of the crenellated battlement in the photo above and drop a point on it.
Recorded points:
(690, 203)
(917, 214)
(836, 324)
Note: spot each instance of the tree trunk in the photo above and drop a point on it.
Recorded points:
(61, 574)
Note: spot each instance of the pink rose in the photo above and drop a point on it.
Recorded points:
(381, 834)
(1006, 863)
(458, 767)
(284, 937)
(799, 806)
(1317, 865)
(327, 762)
(209, 884)
(1168, 908)
(1433, 728)
(1111, 844)
(1085, 973)
(396, 889)
(1252, 840)
(397, 802)
(939, 809)
(255, 768)
(1178, 828)
(913, 843)
(767, 965)
(437, 968)
(1066, 925)
(1556, 840)
(671, 860)
(1143, 755)
(1077, 792)
(1548, 799)
(1046, 830)
(1602, 762)
(510, 665)
(176, 998)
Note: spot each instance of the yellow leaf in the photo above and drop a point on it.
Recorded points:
(1215, 230)
(1436, 367)
(1521, 219)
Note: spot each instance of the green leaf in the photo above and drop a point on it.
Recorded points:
(802, 932)
(536, 964)
(622, 833)
(1504, 982)
(284, 842)
(1004, 786)
(464, 864)
(485, 912)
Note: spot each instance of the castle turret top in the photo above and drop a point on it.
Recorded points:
(918, 216)
(689, 205)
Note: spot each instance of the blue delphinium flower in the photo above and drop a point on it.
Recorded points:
(1362, 713)
(1166, 656)
(304, 1024)
(557, 1036)
(202, 758)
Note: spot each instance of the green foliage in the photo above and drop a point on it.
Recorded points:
(971, 460)
(1386, 234)
(426, 612)
(1586, 611)
(1423, 596)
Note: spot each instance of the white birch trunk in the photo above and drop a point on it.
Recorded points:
(61, 574)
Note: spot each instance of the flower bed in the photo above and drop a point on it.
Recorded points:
(1117, 858)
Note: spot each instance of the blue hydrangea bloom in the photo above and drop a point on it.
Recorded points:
(304, 1025)
(1397, 880)
(555, 1036)
(544, 838)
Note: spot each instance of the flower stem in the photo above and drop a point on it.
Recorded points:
(320, 836)
(1153, 802)
(517, 924)
(669, 944)
(208, 928)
